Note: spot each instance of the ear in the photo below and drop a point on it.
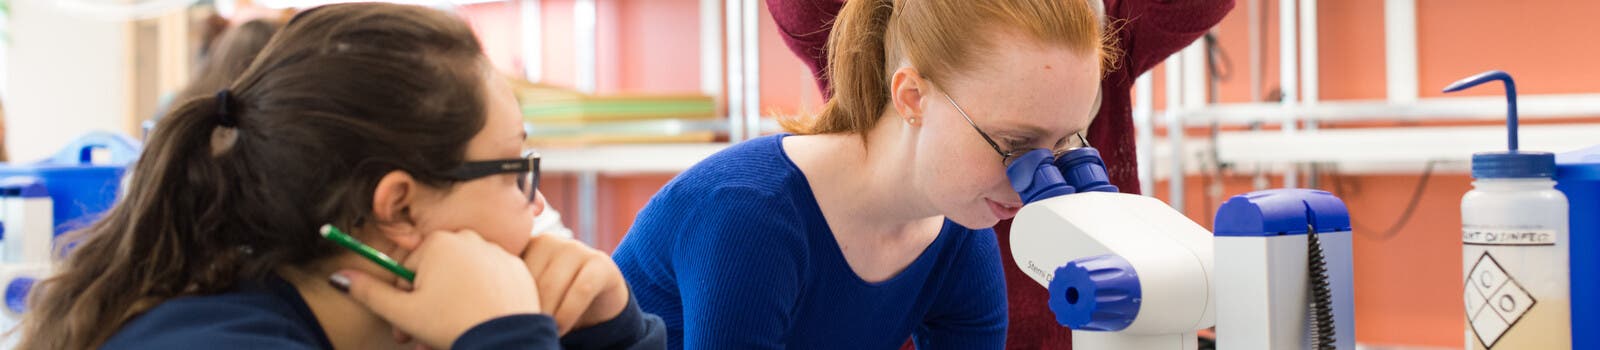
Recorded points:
(393, 209)
(906, 91)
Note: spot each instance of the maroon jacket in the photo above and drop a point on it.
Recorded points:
(1154, 29)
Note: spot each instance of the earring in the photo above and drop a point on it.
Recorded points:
(912, 120)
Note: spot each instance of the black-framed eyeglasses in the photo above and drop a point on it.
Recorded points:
(1005, 156)
(527, 167)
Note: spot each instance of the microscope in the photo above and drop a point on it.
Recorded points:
(1129, 272)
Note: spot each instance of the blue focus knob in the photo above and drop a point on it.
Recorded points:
(1085, 171)
(17, 294)
(1034, 177)
(1097, 293)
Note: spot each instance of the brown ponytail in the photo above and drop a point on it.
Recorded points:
(857, 70)
(233, 186)
(872, 38)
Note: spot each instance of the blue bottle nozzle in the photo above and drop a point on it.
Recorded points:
(1512, 163)
(1511, 99)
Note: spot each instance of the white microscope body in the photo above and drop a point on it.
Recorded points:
(1170, 256)
(1129, 272)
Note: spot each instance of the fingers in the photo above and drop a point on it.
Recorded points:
(579, 296)
(571, 278)
(556, 278)
(541, 249)
(462, 281)
(547, 260)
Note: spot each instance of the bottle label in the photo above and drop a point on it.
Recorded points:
(1507, 236)
(1495, 301)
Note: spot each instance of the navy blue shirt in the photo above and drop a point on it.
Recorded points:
(735, 253)
(271, 315)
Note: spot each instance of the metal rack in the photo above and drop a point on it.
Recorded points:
(737, 82)
(1300, 113)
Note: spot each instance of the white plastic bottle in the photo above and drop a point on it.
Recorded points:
(1515, 242)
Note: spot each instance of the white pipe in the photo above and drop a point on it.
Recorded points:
(588, 207)
(1400, 49)
(1253, 12)
(1309, 73)
(1145, 135)
(1195, 87)
(1195, 84)
(735, 67)
(1174, 66)
(752, 69)
(585, 19)
(532, 40)
(710, 47)
(1258, 49)
(1287, 76)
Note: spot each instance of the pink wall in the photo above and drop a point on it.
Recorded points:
(660, 45)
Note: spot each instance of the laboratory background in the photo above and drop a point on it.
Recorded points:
(1336, 107)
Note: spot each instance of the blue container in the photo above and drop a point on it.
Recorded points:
(81, 190)
(1281, 212)
(1578, 177)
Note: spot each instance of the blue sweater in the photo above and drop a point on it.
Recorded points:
(735, 254)
(271, 315)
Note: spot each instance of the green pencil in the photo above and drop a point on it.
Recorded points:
(333, 234)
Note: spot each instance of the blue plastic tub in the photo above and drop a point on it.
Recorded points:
(81, 190)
